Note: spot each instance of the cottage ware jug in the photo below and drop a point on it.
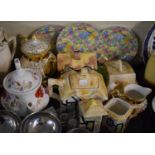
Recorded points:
(119, 112)
(37, 55)
(6, 54)
(24, 93)
(136, 92)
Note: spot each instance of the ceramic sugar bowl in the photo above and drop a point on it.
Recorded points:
(24, 93)
(37, 55)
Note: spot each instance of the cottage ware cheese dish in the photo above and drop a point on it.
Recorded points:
(119, 72)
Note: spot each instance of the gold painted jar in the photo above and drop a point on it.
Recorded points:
(37, 55)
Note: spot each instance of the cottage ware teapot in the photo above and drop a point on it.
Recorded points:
(24, 93)
(6, 54)
(37, 55)
(84, 84)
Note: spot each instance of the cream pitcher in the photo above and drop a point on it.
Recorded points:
(136, 92)
(6, 54)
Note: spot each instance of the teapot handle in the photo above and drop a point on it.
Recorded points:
(13, 39)
(52, 82)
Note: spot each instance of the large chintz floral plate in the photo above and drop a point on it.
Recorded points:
(117, 42)
(80, 37)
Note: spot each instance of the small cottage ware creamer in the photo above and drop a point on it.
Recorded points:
(136, 92)
(119, 112)
(23, 91)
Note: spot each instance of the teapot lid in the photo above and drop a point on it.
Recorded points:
(21, 80)
(35, 46)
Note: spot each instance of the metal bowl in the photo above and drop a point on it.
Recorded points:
(41, 122)
(9, 122)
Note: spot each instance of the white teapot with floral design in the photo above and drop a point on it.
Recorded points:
(24, 93)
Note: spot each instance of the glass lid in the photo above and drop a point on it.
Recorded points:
(35, 46)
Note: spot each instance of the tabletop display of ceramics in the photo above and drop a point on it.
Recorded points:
(37, 55)
(78, 37)
(6, 53)
(89, 90)
(117, 43)
(49, 32)
(149, 44)
(41, 122)
(9, 122)
(24, 93)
